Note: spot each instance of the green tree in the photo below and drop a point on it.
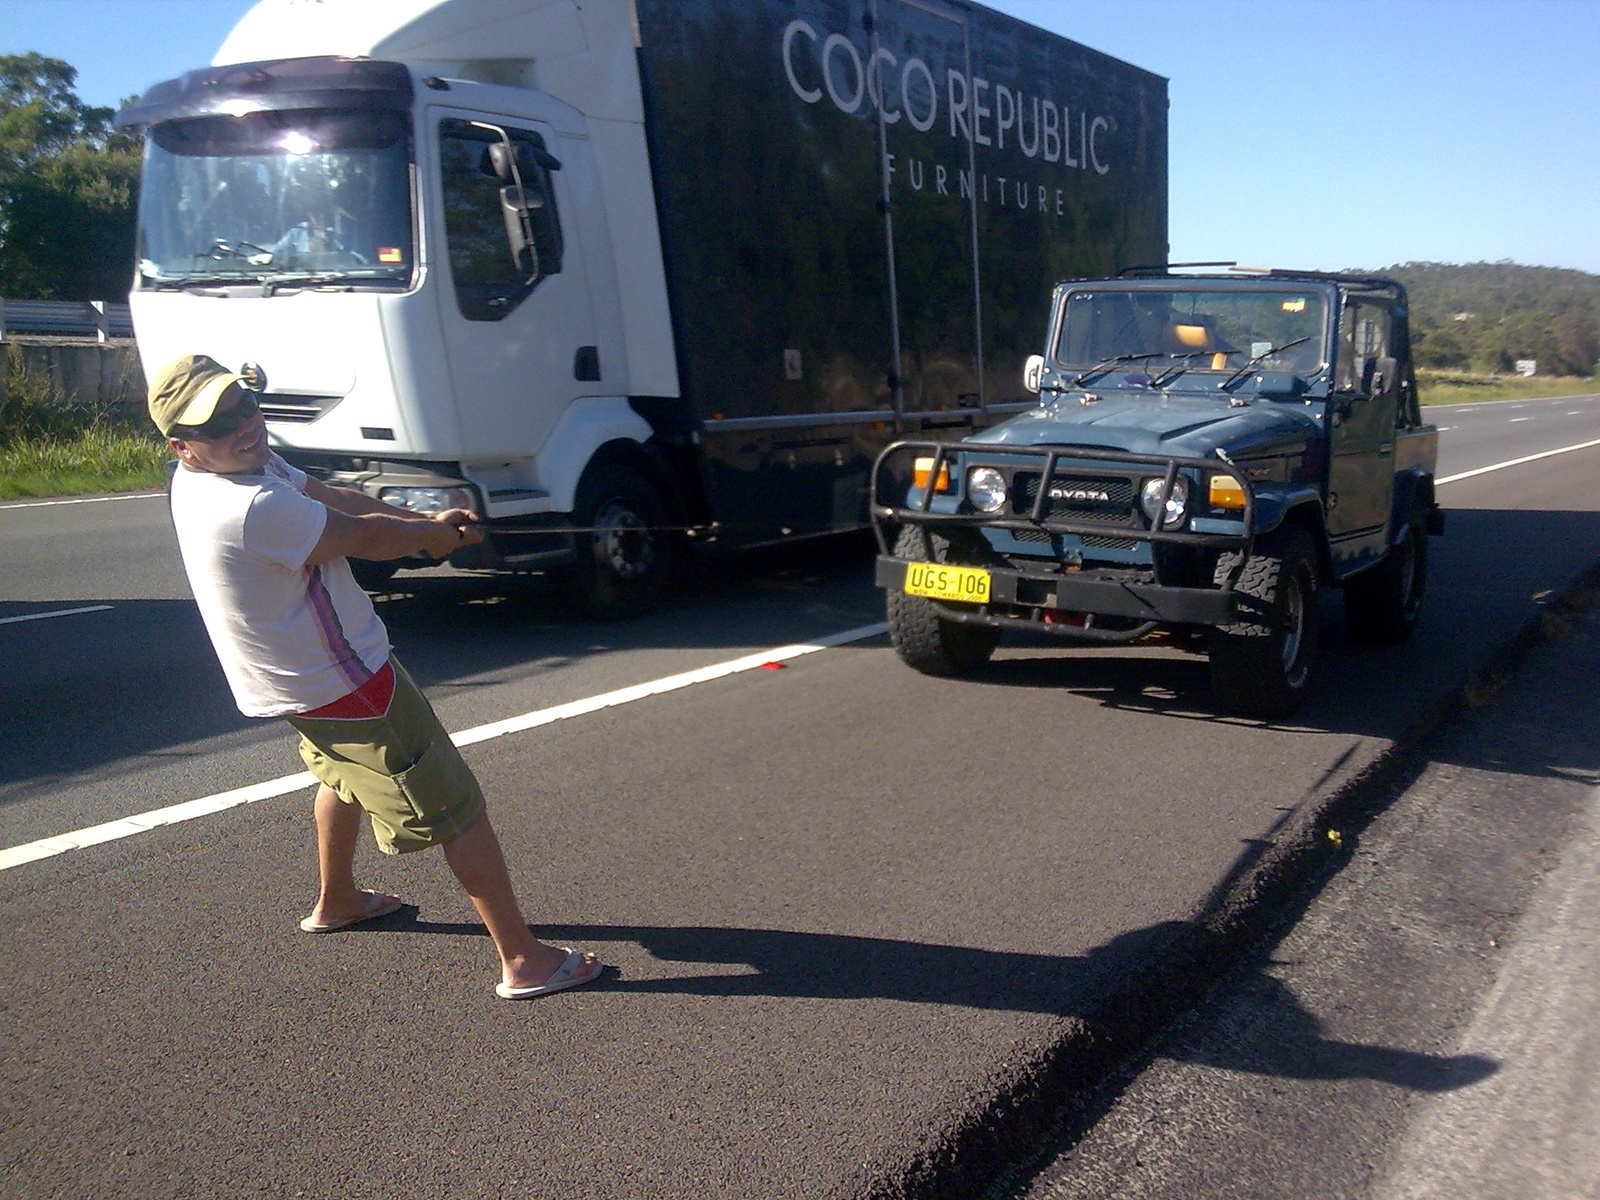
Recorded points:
(68, 187)
(1488, 315)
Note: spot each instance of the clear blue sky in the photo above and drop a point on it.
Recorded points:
(1304, 133)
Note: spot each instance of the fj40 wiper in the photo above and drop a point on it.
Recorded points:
(1180, 365)
(1105, 364)
(1259, 359)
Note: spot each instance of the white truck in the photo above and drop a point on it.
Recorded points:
(618, 273)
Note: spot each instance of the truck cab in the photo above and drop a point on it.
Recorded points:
(1208, 452)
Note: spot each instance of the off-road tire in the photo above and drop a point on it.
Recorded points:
(1381, 604)
(924, 638)
(624, 556)
(1261, 667)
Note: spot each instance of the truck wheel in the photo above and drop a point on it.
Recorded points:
(1260, 667)
(922, 636)
(624, 558)
(1381, 604)
(372, 576)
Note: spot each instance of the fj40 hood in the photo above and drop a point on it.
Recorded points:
(1144, 424)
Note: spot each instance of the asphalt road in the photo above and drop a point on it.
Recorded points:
(1425, 1028)
(855, 912)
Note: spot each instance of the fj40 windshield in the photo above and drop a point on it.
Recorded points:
(1189, 339)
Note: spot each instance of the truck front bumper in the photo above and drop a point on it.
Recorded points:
(1099, 594)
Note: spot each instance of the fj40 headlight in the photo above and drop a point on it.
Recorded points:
(427, 500)
(1177, 506)
(986, 488)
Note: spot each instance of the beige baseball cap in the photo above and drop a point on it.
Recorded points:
(187, 390)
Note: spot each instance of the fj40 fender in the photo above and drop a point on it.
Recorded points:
(1414, 503)
(1275, 507)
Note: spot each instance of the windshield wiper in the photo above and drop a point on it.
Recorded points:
(1105, 364)
(1179, 366)
(222, 248)
(1260, 358)
(272, 283)
(169, 283)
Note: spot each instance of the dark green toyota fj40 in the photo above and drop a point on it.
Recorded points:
(1208, 452)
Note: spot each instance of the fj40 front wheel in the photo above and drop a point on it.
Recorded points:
(923, 636)
(1261, 665)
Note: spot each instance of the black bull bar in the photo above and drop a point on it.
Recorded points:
(1112, 593)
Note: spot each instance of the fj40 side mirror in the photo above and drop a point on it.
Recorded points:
(1033, 372)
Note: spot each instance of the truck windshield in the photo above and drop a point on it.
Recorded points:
(1168, 334)
(301, 197)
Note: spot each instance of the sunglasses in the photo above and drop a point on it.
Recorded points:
(221, 425)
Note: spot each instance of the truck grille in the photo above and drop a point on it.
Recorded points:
(1079, 497)
(295, 408)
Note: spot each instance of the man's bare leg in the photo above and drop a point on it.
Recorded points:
(338, 828)
(479, 864)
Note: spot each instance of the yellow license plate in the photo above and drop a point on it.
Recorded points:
(965, 584)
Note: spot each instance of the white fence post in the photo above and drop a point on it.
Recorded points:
(97, 312)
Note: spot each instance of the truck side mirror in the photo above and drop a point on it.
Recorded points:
(515, 203)
(503, 159)
(1033, 372)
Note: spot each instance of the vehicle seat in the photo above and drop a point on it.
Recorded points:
(1198, 337)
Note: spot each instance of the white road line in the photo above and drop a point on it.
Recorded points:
(1517, 462)
(60, 612)
(15, 856)
(1514, 420)
(84, 500)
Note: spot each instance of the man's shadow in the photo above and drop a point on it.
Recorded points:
(1131, 987)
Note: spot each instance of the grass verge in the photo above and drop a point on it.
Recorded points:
(1453, 387)
(50, 446)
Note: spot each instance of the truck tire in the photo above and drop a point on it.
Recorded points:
(1381, 604)
(624, 554)
(924, 638)
(1261, 667)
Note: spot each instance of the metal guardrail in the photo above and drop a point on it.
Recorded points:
(97, 319)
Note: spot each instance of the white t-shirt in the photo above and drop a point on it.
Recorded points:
(291, 637)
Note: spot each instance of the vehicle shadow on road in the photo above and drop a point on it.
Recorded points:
(140, 680)
(1364, 690)
(1130, 988)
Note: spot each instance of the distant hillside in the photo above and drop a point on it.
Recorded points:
(1485, 316)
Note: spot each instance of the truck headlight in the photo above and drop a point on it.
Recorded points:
(1177, 508)
(427, 500)
(986, 488)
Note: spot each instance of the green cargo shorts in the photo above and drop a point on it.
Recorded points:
(401, 768)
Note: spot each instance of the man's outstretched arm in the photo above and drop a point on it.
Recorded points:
(360, 526)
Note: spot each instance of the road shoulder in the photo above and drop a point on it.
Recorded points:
(1405, 1015)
